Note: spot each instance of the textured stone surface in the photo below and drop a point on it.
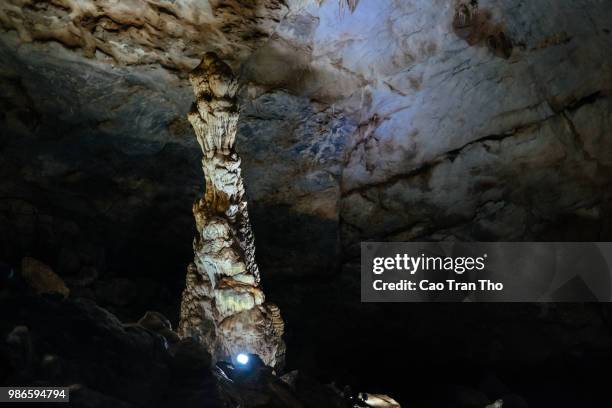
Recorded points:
(75, 342)
(41, 278)
(398, 120)
(223, 306)
(342, 139)
(171, 33)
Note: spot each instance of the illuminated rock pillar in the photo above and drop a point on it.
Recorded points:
(223, 305)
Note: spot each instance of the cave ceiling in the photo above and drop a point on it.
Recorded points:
(389, 120)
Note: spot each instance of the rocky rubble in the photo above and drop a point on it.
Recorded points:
(41, 278)
(49, 341)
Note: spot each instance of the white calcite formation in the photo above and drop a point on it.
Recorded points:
(223, 305)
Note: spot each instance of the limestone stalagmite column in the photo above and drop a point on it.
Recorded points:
(223, 305)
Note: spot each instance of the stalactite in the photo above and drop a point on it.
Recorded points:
(350, 4)
(223, 305)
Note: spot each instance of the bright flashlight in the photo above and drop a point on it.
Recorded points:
(242, 358)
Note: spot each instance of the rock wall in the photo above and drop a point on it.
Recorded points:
(446, 128)
(391, 120)
(173, 34)
(463, 140)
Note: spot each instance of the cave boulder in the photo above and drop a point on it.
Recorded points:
(41, 278)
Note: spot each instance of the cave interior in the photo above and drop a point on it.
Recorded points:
(357, 120)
